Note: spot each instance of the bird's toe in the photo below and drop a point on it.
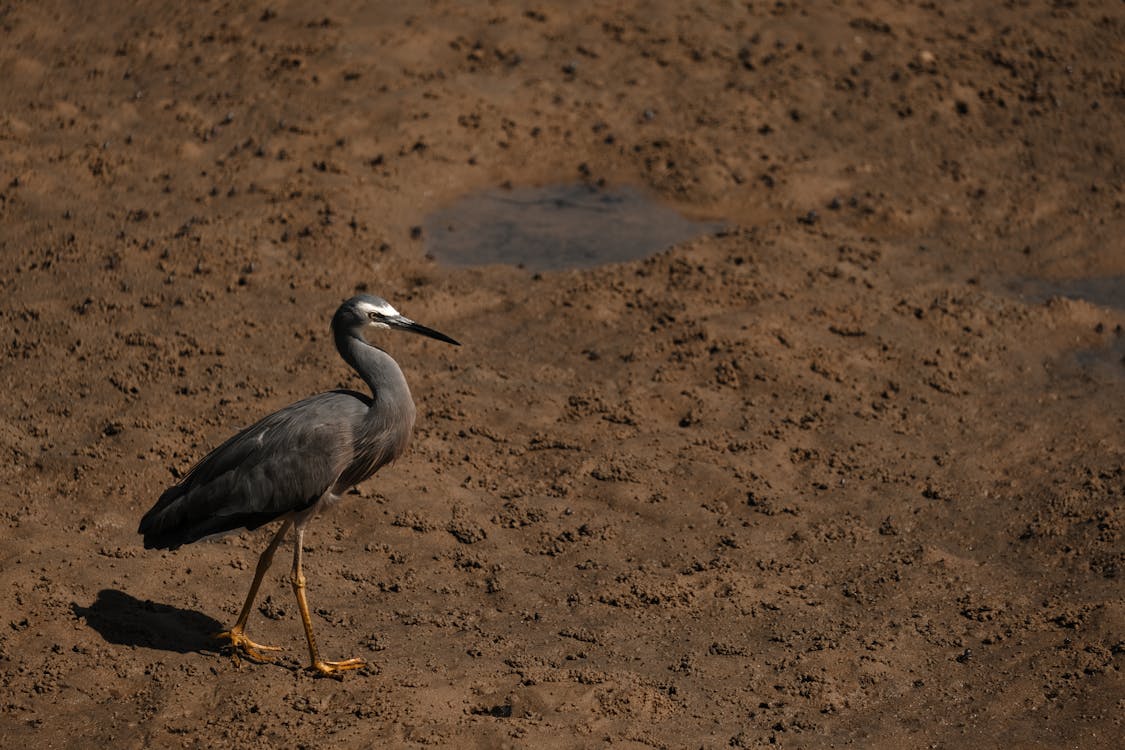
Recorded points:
(331, 668)
(237, 643)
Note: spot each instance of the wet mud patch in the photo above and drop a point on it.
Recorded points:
(553, 227)
(1104, 291)
(1106, 357)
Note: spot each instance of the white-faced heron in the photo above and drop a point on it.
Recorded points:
(295, 462)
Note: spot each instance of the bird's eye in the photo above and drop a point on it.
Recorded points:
(373, 315)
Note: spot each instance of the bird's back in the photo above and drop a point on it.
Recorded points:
(284, 463)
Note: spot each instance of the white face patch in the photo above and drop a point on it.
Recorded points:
(384, 309)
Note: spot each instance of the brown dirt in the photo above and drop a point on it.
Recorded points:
(815, 482)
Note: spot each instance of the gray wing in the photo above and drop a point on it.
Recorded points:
(283, 463)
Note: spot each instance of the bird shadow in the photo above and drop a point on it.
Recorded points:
(125, 620)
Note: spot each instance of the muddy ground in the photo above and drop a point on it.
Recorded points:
(849, 471)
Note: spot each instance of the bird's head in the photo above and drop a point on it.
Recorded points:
(366, 312)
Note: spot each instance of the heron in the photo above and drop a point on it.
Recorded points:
(296, 462)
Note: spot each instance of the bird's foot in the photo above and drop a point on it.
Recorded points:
(238, 643)
(331, 668)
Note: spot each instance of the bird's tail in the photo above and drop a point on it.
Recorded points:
(163, 526)
(186, 514)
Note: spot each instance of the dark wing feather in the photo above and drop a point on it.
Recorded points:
(283, 463)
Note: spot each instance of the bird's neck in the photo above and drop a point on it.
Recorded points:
(377, 368)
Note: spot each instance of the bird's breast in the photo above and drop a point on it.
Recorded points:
(382, 437)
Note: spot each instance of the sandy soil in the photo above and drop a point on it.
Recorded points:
(832, 476)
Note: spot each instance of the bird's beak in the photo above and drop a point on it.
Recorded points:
(406, 324)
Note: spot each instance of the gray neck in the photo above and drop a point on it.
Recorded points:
(385, 429)
(381, 373)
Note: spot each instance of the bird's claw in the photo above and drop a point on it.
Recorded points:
(330, 668)
(238, 643)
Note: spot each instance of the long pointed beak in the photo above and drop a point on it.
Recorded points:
(406, 324)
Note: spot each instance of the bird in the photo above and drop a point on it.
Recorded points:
(296, 462)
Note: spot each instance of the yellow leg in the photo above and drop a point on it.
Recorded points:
(239, 643)
(298, 580)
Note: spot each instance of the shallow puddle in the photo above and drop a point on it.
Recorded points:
(1106, 291)
(555, 227)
